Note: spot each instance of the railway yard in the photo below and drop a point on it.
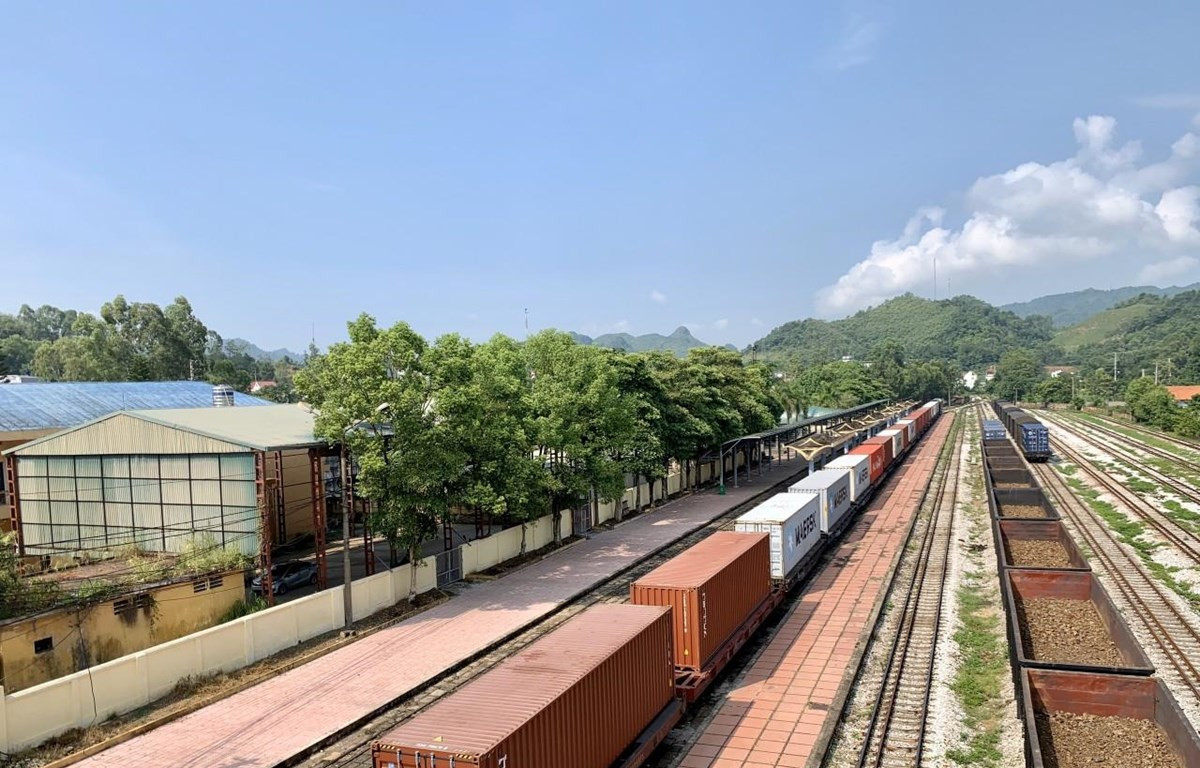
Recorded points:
(973, 586)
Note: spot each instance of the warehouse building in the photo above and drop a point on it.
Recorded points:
(249, 478)
(33, 409)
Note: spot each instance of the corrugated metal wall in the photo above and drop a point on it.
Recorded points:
(124, 434)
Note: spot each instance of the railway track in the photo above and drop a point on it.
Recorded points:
(1182, 442)
(895, 732)
(1151, 603)
(1087, 429)
(1182, 538)
(354, 749)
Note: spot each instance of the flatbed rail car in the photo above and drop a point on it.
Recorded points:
(449, 732)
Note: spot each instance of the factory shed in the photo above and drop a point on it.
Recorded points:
(159, 480)
(33, 409)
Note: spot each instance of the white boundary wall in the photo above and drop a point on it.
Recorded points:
(31, 716)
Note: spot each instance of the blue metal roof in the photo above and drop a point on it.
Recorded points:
(58, 405)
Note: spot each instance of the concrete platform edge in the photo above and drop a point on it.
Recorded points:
(825, 736)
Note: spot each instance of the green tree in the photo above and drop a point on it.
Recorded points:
(407, 459)
(1017, 374)
(1053, 389)
(1151, 404)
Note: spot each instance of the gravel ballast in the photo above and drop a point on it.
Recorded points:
(1086, 741)
(1067, 632)
(1022, 510)
(1037, 553)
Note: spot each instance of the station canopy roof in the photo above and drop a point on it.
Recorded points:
(59, 405)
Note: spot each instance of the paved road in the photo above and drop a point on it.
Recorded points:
(290, 714)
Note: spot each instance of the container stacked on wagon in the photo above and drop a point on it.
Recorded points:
(1074, 658)
(606, 687)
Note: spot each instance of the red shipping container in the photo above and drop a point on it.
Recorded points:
(890, 449)
(878, 454)
(578, 697)
(712, 588)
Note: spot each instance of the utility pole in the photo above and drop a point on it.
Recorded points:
(526, 323)
(1156, 373)
(1114, 367)
(347, 599)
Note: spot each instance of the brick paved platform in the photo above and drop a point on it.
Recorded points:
(288, 715)
(783, 709)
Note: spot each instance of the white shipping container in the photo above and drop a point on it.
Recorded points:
(832, 486)
(793, 522)
(911, 426)
(897, 440)
(860, 473)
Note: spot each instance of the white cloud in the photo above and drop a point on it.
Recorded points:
(1167, 270)
(857, 43)
(755, 321)
(721, 324)
(621, 326)
(658, 296)
(1189, 101)
(1098, 206)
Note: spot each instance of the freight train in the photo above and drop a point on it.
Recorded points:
(605, 688)
(1030, 434)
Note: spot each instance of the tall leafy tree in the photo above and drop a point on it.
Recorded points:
(376, 391)
(1017, 374)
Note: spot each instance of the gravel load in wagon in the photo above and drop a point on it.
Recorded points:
(1031, 553)
(1087, 741)
(1091, 719)
(577, 697)
(1022, 511)
(1067, 632)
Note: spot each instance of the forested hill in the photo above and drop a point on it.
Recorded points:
(679, 342)
(1147, 330)
(964, 330)
(1067, 309)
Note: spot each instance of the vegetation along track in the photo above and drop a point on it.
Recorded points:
(1151, 603)
(1083, 428)
(353, 750)
(1182, 538)
(895, 732)
(1150, 432)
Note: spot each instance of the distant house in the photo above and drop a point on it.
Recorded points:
(258, 386)
(1054, 371)
(969, 378)
(1183, 395)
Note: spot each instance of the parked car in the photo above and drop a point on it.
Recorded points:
(285, 576)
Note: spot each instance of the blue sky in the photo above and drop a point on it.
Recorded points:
(614, 166)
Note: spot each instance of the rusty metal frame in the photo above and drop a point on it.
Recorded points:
(14, 501)
(264, 509)
(368, 549)
(317, 481)
(280, 507)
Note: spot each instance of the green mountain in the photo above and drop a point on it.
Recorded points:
(1067, 309)
(1100, 327)
(679, 342)
(1143, 332)
(964, 329)
(258, 353)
